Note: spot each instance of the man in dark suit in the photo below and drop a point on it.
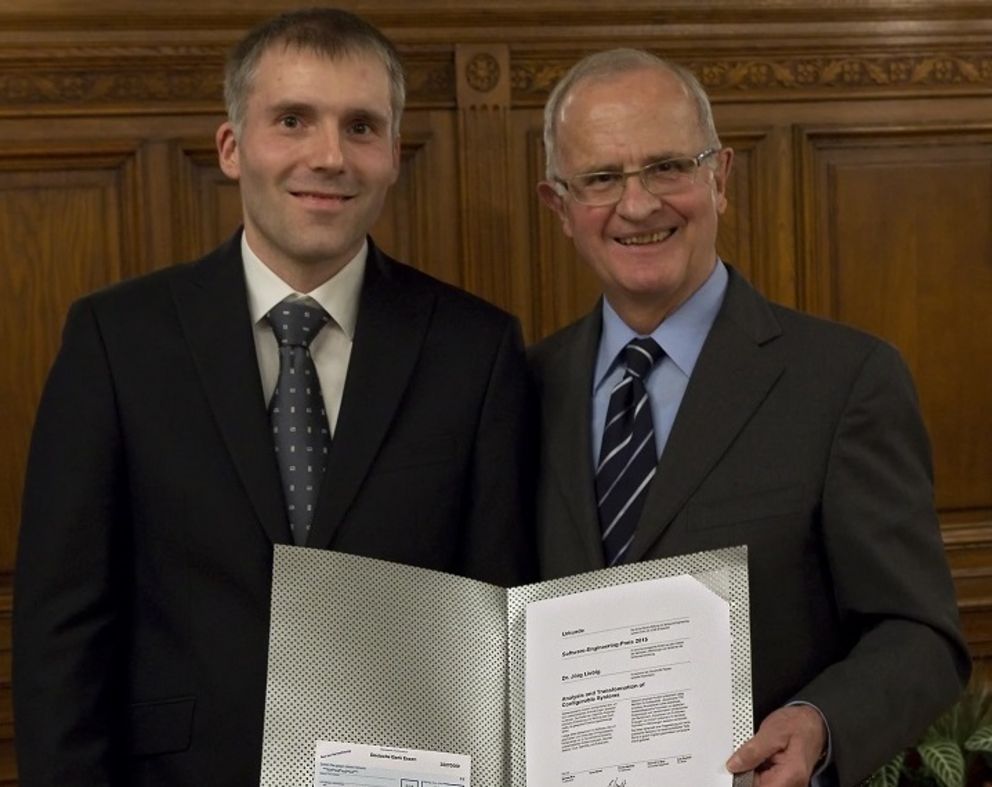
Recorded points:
(687, 413)
(155, 492)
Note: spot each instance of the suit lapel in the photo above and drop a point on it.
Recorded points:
(736, 369)
(213, 309)
(567, 414)
(392, 324)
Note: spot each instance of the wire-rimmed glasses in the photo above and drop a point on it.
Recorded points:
(668, 176)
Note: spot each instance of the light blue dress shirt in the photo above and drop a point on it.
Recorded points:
(680, 335)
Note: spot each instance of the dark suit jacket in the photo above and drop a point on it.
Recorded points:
(801, 439)
(153, 501)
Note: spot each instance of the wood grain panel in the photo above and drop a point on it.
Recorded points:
(898, 241)
(64, 231)
(969, 551)
(420, 222)
(483, 89)
(207, 202)
(756, 233)
(565, 287)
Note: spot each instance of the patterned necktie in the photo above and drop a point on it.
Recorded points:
(299, 423)
(627, 459)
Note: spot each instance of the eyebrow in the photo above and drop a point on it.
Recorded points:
(364, 113)
(292, 108)
(663, 156)
(350, 114)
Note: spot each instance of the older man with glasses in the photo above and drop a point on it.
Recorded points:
(688, 413)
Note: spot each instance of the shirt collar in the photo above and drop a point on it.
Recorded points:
(681, 334)
(339, 295)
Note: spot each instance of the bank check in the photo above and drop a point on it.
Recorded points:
(340, 764)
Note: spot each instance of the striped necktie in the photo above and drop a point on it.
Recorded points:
(299, 423)
(628, 458)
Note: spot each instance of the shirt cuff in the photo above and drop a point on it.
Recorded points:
(826, 756)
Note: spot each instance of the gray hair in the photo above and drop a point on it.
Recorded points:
(329, 32)
(611, 63)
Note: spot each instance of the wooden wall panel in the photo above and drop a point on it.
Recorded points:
(756, 234)
(63, 232)
(207, 204)
(898, 242)
(562, 284)
(420, 222)
(483, 93)
(969, 550)
(897, 239)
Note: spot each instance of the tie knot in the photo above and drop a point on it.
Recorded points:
(297, 322)
(640, 355)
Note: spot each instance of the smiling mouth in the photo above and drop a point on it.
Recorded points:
(319, 196)
(647, 238)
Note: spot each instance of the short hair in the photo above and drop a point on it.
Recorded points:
(329, 32)
(611, 63)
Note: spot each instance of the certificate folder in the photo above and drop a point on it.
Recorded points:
(373, 652)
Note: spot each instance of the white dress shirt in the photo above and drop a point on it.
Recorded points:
(331, 349)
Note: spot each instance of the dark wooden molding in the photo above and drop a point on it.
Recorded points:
(71, 83)
(62, 57)
(123, 15)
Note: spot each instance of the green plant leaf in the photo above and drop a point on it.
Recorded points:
(945, 760)
(980, 739)
(888, 774)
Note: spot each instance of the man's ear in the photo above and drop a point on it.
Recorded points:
(227, 150)
(721, 176)
(553, 199)
(397, 158)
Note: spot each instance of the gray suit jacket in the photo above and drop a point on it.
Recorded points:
(801, 439)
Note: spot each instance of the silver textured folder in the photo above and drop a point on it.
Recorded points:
(373, 652)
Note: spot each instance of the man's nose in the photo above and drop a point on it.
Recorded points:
(326, 151)
(636, 202)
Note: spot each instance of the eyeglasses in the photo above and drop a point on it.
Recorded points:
(668, 176)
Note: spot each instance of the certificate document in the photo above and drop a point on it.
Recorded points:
(632, 676)
(630, 684)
